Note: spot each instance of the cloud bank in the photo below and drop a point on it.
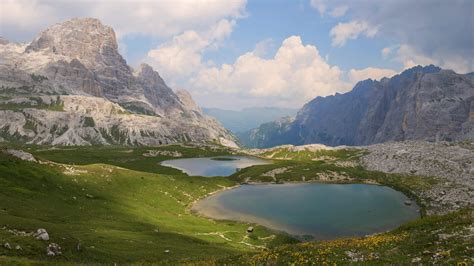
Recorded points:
(23, 19)
(434, 31)
(294, 75)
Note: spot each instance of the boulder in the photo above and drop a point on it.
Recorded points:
(42, 234)
(25, 156)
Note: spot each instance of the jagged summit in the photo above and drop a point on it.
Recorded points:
(80, 58)
(146, 72)
(186, 98)
(86, 39)
(421, 103)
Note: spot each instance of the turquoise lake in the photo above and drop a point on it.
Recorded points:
(318, 210)
(212, 166)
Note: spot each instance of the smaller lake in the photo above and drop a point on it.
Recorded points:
(323, 211)
(214, 166)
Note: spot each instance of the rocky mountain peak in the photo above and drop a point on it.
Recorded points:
(86, 39)
(421, 103)
(421, 69)
(186, 98)
(146, 72)
(107, 102)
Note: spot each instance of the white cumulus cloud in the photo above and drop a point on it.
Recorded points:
(410, 57)
(435, 31)
(323, 6)
(386, 51)
(356, 75)
(351, 30)
(296, 74)
(22, 19)
(339, 11)
(319, 5)
(181, 57)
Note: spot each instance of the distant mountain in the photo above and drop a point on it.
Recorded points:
(422, 103)
(71, 86)
(248, 118)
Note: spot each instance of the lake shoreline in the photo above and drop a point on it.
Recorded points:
(231, 165)
(216, 211)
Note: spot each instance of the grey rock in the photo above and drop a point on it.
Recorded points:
(105, 101)
(452, 166)
(422, 103)
(42, 234)
(22, 155)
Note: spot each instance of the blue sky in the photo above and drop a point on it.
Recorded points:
(243, 53)
(275, 21)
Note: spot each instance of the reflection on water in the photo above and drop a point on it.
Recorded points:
(213, 166)
(323, 211)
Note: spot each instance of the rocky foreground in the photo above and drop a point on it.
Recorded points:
(451, 165)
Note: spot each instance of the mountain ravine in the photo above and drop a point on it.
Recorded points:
(421, 103)
(71, 86)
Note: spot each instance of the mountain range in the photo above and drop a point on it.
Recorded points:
(421, 103)
(71, 86)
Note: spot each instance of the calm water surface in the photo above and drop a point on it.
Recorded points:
(209, 166)
(322, 211)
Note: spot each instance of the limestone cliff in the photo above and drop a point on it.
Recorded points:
(71, 86)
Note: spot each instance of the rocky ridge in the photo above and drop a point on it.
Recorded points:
(421, 103)
(71, 86)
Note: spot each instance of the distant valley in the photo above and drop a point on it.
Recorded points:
(239, 121)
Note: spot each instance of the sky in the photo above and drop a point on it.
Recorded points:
(236, 53)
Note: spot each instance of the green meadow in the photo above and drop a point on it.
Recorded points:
(106, 205)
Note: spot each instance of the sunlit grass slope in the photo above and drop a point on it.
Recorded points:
(98, 212)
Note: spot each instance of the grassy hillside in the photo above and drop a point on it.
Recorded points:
(113, 214)
(118, 205)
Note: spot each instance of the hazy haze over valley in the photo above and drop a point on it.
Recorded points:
(239, 121)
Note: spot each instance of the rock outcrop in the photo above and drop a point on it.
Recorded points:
(71, 86)
(422, 103)
(451, 166)
(22, 155)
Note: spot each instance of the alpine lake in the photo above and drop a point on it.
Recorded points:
(308, 211)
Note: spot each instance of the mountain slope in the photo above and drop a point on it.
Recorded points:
(424, 103)
(71, 86)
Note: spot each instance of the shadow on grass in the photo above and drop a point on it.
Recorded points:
(96, 218)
